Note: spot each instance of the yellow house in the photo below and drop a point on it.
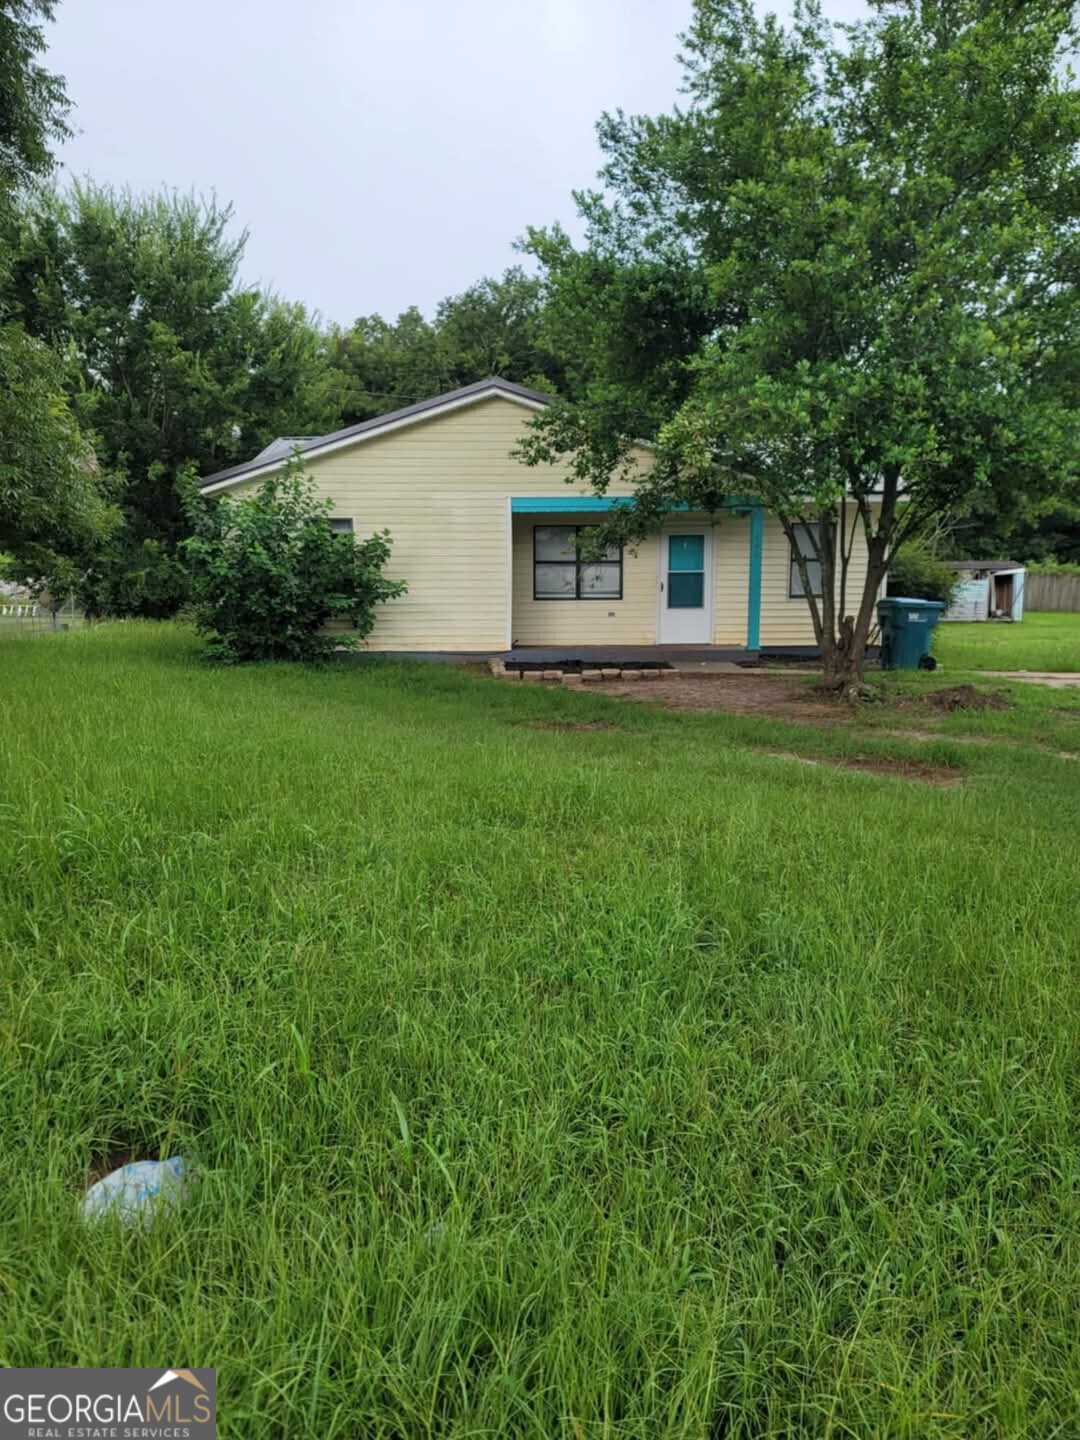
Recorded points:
(487, 544)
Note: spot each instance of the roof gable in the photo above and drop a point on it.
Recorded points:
(266, 463)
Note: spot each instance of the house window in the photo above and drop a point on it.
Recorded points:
(559, 572)
(339, 526)
(805, 541)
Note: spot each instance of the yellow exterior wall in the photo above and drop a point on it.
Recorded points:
(632, 620)
(785, 620)
(629, 621)
(731, 579)
(442, 486)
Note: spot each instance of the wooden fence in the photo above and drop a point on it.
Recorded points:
(1052, 592)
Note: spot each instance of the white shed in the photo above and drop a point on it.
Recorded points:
(989, 590)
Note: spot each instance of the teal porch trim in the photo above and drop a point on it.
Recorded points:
(597, 504)
(570, 504)
(753, 599)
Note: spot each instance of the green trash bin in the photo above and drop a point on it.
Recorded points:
(906, 629)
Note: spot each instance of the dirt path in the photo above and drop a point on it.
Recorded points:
(780, 696)
(746, 692)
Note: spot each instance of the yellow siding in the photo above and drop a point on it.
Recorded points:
(633, 619)
(731, 579)
(785, 620)
(442, 487)
(629, 621)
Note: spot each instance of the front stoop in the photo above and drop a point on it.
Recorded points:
(575, 677)
(696, 669)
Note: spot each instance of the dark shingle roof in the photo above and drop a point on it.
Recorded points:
(493, 386)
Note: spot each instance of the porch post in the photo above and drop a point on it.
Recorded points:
(508, 636)
(753, 600)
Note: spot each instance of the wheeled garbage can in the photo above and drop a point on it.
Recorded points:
(906, 630)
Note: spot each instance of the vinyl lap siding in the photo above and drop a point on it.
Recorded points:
(731, 579)
(785, 620)
(629, 621)
(442, 488)
(633, 619)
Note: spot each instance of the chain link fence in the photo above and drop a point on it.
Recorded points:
(30, 617)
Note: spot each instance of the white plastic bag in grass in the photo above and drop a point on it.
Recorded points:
(135, 1191)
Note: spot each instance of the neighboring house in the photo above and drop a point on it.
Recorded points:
(988, 590)
(486, 543)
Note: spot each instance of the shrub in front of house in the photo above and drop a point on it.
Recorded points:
(269, 574)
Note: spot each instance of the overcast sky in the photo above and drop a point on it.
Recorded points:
(381, 153)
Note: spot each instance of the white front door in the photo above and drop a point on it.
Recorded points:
(686, 586)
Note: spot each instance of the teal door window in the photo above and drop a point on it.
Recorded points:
(686, 572)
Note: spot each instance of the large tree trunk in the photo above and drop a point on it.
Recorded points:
(845, 665)
(845, 659)
(842, 638)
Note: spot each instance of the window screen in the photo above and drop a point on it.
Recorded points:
(805, 543)
(560, 574)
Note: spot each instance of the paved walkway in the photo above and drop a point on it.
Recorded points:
(1056, 679)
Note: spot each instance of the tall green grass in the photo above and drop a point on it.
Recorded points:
(1043, 640)
(627, 1083)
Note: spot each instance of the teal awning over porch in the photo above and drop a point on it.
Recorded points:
(597, 504)
(575, 504)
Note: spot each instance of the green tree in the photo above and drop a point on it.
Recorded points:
(287, 385)
(495, 327)
(170, 362)
(51, 502)
(388, 365)
(33, 102)
(916, 571)
(269, 574)
(1052, 532)
(884, 230)
(52, 505)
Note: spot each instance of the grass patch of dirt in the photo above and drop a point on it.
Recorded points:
(966, 697)
(904, 769)
(783, 697)
(750, 693)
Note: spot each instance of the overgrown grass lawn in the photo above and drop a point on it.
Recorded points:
(627, 1082)
(1043, 640)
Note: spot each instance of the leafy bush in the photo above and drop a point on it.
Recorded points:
(916, 571)
(268, 573)
(125, 577)
(1053, 567)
